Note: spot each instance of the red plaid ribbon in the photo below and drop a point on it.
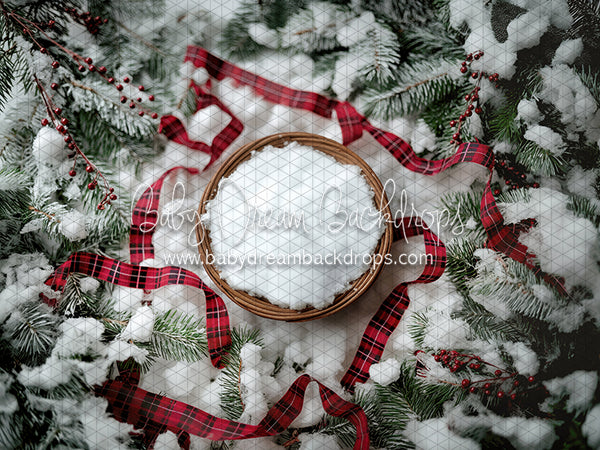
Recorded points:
(145, 217)
(174, 129)
(156, 413)
(389, 314)
(138, 407)
(500, 237)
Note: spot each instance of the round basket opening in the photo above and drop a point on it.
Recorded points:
(259, 305)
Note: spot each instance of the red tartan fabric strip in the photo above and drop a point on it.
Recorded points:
(174, 129)
(141, 277)
(133, 405)
(389, 314)
(352, 123)
(145, 217)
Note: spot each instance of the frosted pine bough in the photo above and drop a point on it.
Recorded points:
(294, 226)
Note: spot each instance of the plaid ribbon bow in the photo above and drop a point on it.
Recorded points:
(156, 413)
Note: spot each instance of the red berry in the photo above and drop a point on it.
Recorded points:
(453, 123)
(477, 366)
(496, 191)
(44, 122)
(141, 87)
(455, 136)
(71, 145)
(469, 56)
(464, 69)
(55, 64)
(464, 63)
(57, 111)
(467, 97)
(478, 110)
(516, 383)
(72, 173)
(126, 80)
(132, 105)
(500, 394)
(491, 78)
(81, 68)
(472, 389)
(486, 385)
(471, 107)
(67, 139)
(88, 60)
(123, 99)
(100, 206)
(91, 186)
(465, 383)
(507, 182)
(141, 113)
(101, 69)
(151, 98)
(91, 67)
(474, 75)
(154, 116)
(112, 189)
(89, 169)
(513, 396)
(113, 196)
(498, 372)
(487, 392)
(468, 113)
(111, 80)
(536, 185)
(442, 352)
(64, 121)
(481, 53)
(61, 129)
(531, 379)
(44, 50)
(119, 87)
(437, 358)
(54, 86)
(51, 23)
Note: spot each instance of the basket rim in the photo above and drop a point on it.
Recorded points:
(261, 306)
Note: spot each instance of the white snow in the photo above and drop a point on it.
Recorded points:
(263, 35)
(49, 147)
(435, 434)
(89, 285)
(525, 433)
(277, 226)
(78, 335)
(318, 441)
(53, 372)
(563, 242)
(528, 111)
(140, 325)
(545, 138)
(591, 427)
(101, 431)
(385, 372)
(525, 359)
(568, 51)
(578, 386)
(73, 225)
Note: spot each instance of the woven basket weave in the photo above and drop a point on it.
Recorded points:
(261, 306)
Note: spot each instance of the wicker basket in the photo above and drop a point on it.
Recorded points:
(261, 306)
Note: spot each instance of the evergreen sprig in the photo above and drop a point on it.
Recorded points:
(177, 336)
(232, 401)
(417, 85)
